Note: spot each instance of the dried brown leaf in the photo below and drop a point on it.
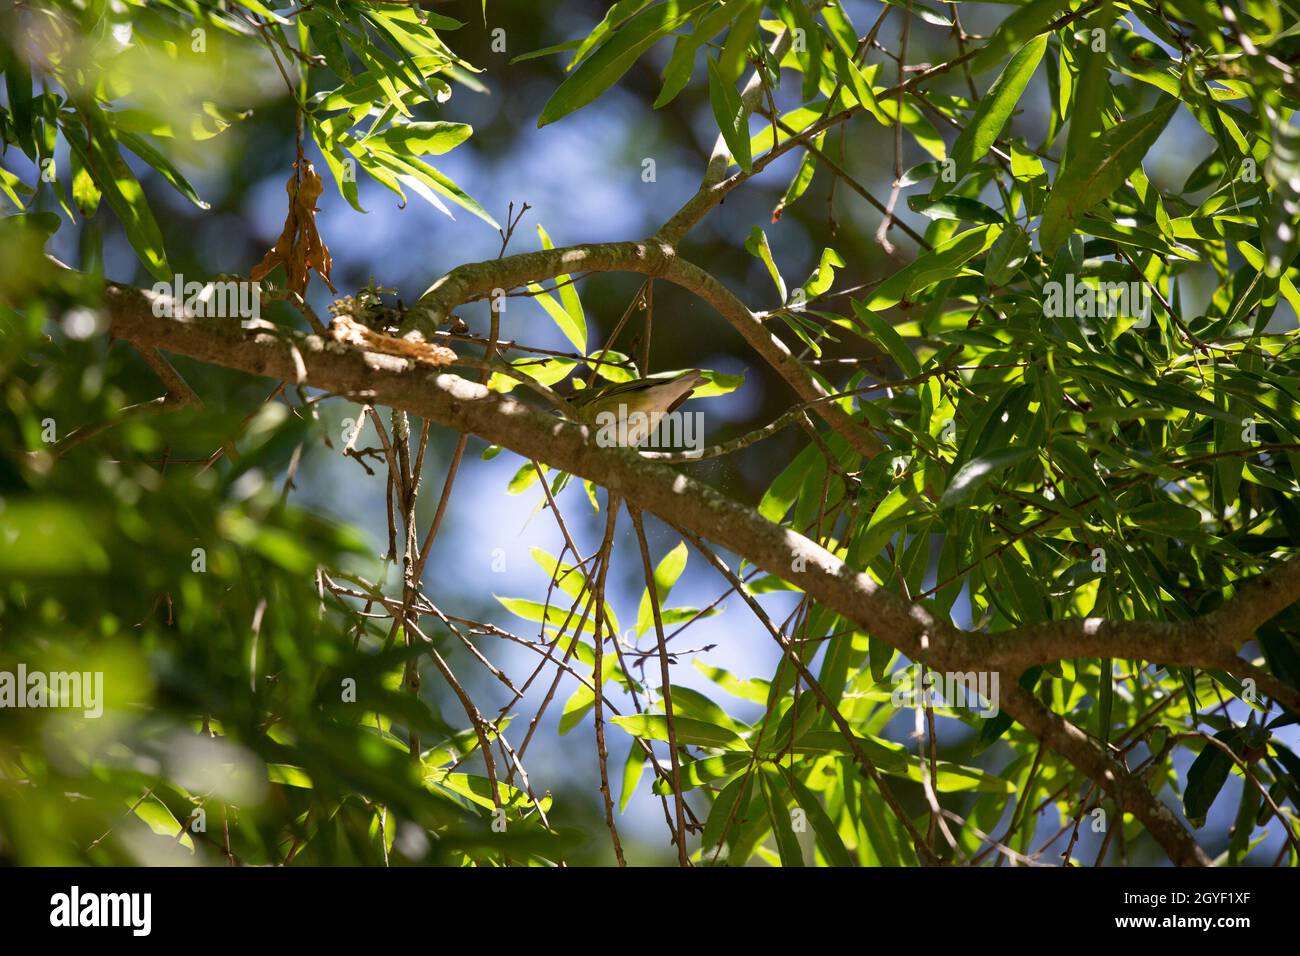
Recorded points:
(300, 247)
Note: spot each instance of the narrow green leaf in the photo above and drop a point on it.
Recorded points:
(151, 155)
(725, 819)
(1206, 777)
(787, 844)
(889, 339)
(576, 327)
(1024, 23)
(665, 576)
(945, 261)
(975, 473)
(688, 730)
(633, 769)
(420, 139)
(756, 245)
(828, 835)
(731, 116)
(615, 56)
(122, 190)
(994, 110)
(955, 208)
(1006, 256)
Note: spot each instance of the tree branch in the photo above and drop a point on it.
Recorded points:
(651, 258)
(1210, 641)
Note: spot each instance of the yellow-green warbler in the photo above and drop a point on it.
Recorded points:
(630, 412)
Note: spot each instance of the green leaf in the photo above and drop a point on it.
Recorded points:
(975, 473)
(1006, 256)
(828, 835)
(731, 116)
(955, 208)
(420, 139)
(1282, 171)
(574, 323)
(994, 110)
(800, 181)
(726, 816)
(756, 245)
(753, 690)
(11, 186)
(1024, 23)
(150, 154)
(887, 756)
(554, 615)
(568, 578)
(564, 47)
(342, 167)
(633, 768)
(688, 730)
(18, 84)
(1206, 777)
(681, 65)
(579, 704)
(688, 702)
(666, 575)
(744, 20)
(719, 383)
(823, 277)
(1089, 178)
(889, 339)
(85, 194)
(574, 329)
(787, 843)
(101, 156)
(784, 489)
(162, 821)
(887, 517)
(614, 18)
(615, 56)
(1092, 91)
(546, 371)
(945, 261)
(423, 179)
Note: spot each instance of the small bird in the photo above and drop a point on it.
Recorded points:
(636, 408)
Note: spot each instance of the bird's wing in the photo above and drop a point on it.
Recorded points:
(690, 381)
(587, 396)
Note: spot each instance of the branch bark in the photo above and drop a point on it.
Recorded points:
(1210, 641)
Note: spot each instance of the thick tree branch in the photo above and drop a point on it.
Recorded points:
(468, 407)
(1210, 641)
(1256, 601)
